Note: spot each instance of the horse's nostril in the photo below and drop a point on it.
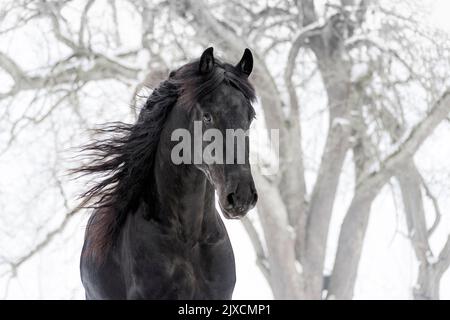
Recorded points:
(231, 199)
(255, 198)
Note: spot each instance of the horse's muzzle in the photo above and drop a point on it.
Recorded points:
(238, 202)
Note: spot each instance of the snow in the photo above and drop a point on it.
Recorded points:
(432, 259)
(359, 71)
(291, 232)
(340, 122)
(388, 266)
(298, 267)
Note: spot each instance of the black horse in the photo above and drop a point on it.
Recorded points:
(155, 232)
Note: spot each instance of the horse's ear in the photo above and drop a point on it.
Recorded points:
(206, 61)
(246, 64)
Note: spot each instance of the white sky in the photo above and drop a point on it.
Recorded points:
(441, 14)
(384, 271)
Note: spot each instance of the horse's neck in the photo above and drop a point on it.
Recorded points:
(185, 196)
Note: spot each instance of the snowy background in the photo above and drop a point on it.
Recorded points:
(40, 244)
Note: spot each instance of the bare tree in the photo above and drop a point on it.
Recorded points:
(367, 57)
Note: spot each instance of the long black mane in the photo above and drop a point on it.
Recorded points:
(123, 156)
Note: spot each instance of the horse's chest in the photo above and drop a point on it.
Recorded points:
(202, 271)
(209, 270)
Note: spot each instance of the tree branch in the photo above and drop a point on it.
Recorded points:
(261, 257)
(437, 210)
(443, 262)
(410, 143)
(285, 279)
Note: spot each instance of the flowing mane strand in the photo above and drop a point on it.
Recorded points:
(123, 155)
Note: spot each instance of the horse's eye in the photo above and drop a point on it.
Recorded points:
(207, 118)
